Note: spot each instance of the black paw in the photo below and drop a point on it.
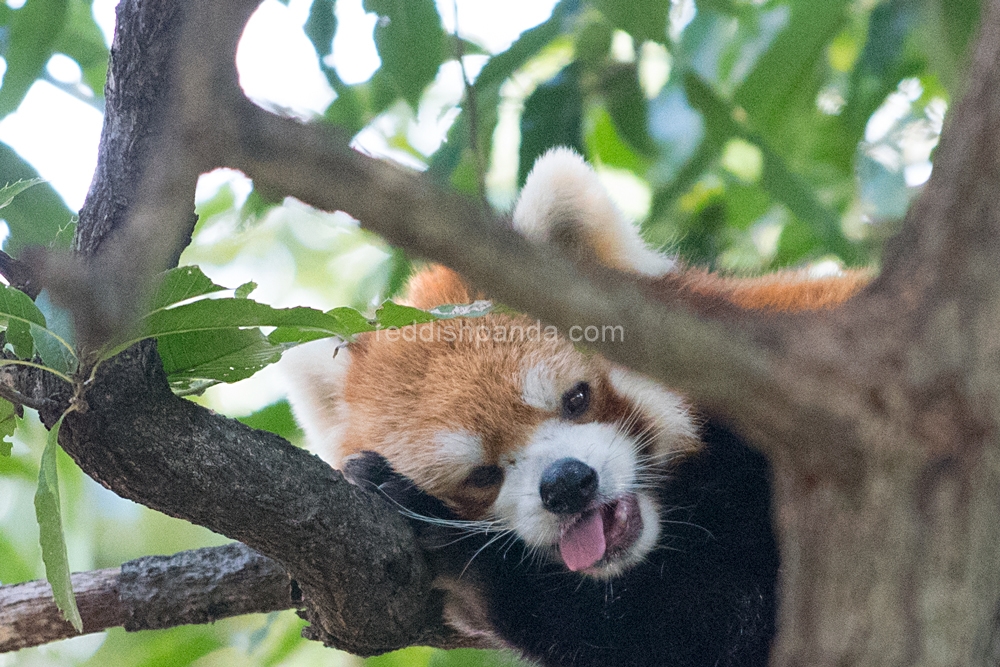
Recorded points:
(371, 469)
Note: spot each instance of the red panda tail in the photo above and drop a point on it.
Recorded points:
(784, 291)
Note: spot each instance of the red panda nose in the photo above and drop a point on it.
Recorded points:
(568, 486)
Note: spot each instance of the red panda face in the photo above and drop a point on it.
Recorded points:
(504, 421)
(516, 428)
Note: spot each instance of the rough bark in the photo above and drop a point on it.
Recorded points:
(364, 582)
(880, 417)
(899, 566)
(148, 593)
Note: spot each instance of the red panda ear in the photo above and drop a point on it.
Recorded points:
(435, 286)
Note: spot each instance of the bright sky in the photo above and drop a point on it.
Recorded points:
(59, 133)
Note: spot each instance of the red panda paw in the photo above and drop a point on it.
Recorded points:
(372, 470)
(449, 543)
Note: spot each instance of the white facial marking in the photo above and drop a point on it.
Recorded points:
(460, 448)
(442, 466)
(674, 428)
(613, 454)
(538, 387)
(315, 377)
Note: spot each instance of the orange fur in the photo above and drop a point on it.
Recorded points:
(437, 285)
(785, 291)
(405, 387)
(782, 291)
(442, 399)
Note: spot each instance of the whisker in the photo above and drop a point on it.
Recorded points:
(507, 533)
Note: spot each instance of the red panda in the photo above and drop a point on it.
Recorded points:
(608, 524)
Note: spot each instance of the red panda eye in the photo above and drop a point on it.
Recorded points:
(576, 401)
(483, 477)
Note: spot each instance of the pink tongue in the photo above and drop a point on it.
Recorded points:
(582, 544)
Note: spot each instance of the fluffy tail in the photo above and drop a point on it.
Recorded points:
(564, 203)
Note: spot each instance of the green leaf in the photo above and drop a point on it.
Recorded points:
(351, 321)
(276, 418)
(13, 565)
(745, 204)
(882, 64)
(643, 19)
(16, 466)
(295, 336)
(605, 146)
(19, 336)
(703, 158)
(216, 315)
(51, 532)
(173, 647)
(393, 315)
(181, 284)
(321, 26)
(55, 352)
(16, 305)
(498, 69)
(410, 42)
(349, 111)
(414, 656)
(256, 206)
(83, 41)
(785, 68)
(798, 242)
(553, 116)
(244, 290)
(945, 34)
(225, 355)
(36, 216)
(474, 309)
(399, 272)
(53, 338)
(8, 423)
(33, 32)
(11, 190)
(626, 103)
(593, 41)
(776, 178)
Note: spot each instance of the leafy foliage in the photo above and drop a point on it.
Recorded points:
(219, 339)
(36, 216)
(8, 422)
(410, 42)
(27, 331)
(34, 29)
(51, 533)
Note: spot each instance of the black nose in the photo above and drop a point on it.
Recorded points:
(568, 486)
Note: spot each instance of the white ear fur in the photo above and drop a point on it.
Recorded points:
(563, 190)
(315, 390)
(675, 428)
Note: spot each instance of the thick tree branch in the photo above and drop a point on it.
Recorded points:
(149, 593)
(364, 583)
(363, 579)
(212, 124)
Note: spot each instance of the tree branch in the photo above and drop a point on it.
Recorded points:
(363, 579)
(149, 593)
